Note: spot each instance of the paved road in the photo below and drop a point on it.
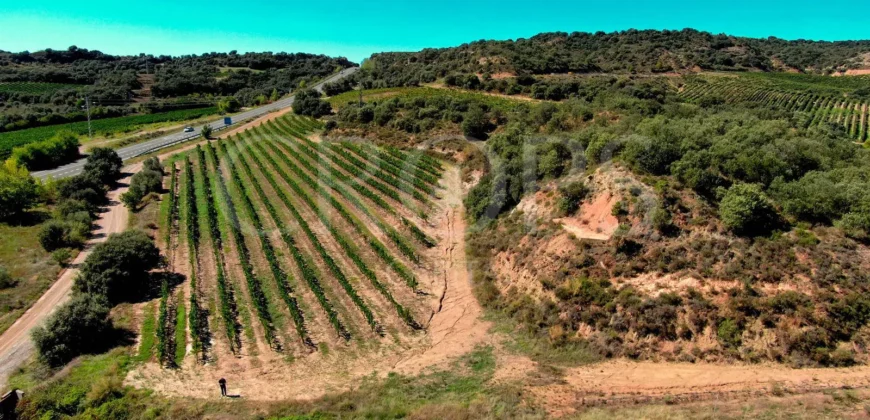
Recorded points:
(129, 152)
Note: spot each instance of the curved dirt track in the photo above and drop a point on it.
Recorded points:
(15, 344)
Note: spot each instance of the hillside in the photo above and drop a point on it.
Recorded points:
(46, 87)
(655, 226)
(631, 51)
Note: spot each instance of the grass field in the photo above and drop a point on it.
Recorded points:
(26, 260)
(13, 139)
(298, 246)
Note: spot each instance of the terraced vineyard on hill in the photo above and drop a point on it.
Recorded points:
(824, 105)
(291, 246)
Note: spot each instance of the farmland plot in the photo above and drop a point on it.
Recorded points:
(295, 250)
(819, 106)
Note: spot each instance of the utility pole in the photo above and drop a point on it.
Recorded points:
(88, 107)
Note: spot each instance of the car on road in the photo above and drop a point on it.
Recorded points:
(188, 129)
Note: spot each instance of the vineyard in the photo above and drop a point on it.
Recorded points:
(291, 247)
(819, 104)
(12, 139)
(35, 88)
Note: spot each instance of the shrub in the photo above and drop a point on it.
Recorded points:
(78, 327)
(104, 165)
(6, 279)
(745, 209)
(308, 102)
(788, 302)
(119, 268)
(18, 190)
(206, 131)
(82, 189)
(62, 256)
(54, 234)
(849, 314)
(571, 195)
(63, 147)
(554, 160)
(729, 333)
(228, 105)
(144, 182)
(651, 155)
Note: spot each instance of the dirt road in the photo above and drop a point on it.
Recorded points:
(15, 344)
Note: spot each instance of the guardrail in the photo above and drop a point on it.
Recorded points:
(173, 143)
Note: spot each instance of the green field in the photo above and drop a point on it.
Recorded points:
(26, 260)
(344, 273)
(13, 139)
(35, 87)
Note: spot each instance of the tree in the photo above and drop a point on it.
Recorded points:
(18, 190)
(78, 327)
(206, 131)
(746, 210)
(308, 102)
(119, 268)
(475, 123)
(84, 188)
(228, 105)
(651, 155)
(274, 96)
(103, 164)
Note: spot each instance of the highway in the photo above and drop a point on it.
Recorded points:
(129, 152)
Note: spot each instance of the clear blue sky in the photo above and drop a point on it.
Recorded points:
(357, 28)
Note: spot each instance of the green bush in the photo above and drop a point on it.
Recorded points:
(18, 190)
(308, 102)
(475, 123)
(77, 327)
(63, 147)
(729, 333)
(54, 234)
(6, 279)
(119, 267)
(62, 256)
(570, 197)
(148, 180)
(651, 155)
(554, 160)
(228, 105)
(103, 164)
(746, 210)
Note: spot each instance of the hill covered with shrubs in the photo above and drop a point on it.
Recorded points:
(631, 51)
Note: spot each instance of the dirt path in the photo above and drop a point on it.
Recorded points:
(455, 327)
(15, 344)
(627, 382)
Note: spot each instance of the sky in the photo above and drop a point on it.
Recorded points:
(357, 28)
